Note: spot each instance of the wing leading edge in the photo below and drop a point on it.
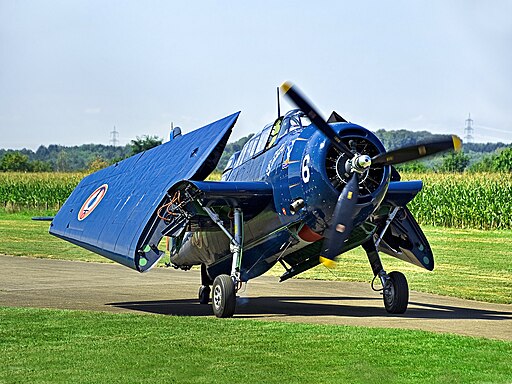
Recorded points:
(109, 211)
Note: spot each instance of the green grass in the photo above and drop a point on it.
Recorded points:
(470, 264)
(23, 237)
(54, 346)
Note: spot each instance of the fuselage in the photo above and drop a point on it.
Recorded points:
(306, 174)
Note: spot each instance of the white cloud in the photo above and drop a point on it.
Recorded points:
(92, 110)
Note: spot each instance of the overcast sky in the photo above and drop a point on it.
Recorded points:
(72, 70)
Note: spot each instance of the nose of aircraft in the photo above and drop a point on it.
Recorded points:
(356, 165)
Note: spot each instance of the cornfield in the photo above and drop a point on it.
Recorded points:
(43, 191)
(470, 200)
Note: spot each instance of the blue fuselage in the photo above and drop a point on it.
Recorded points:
(300, 165)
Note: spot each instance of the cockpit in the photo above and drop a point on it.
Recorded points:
(293, 120)
(267, 138)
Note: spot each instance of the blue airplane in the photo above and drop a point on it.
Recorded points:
(301, 192)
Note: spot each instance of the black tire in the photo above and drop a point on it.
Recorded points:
(396, 298)
(223, 296)
(204, 294)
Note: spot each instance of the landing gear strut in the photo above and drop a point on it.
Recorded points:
(226, 286)
(395, 288)
(204, 290)
(204, 294)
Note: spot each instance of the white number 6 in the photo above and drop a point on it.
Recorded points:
(306, 174)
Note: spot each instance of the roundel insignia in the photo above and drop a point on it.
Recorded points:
(92, 202)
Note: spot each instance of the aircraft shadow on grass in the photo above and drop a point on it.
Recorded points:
(310, 306)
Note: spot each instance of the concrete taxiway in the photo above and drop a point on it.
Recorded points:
(46, 283)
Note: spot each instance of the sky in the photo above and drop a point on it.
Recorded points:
(72, 70)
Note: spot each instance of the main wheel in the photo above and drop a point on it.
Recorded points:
(396, 296)
(224, 296)
(204, 294)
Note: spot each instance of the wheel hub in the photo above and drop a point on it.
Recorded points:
(217, 297)
(389, 293)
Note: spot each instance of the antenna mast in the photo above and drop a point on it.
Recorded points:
(278, 105)
(113, 137)
(468, 130)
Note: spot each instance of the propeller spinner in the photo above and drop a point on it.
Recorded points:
(340, 229)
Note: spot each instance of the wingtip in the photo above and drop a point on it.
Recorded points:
(327, 262)
(43, 218)
(457, 143)
(285, 87)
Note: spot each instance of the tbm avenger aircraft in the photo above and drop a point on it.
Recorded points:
(301, 192)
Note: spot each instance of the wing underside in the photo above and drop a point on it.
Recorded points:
(112, 211)
(404, 238)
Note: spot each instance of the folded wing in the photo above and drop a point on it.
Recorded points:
(111, 212)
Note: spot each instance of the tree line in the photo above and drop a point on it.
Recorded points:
(86, 157)
(91, 157)
(477, 157)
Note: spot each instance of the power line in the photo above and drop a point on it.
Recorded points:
(114, 137)
(468, 130)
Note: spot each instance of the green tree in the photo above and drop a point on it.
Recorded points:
(97, 164)
(502, 162)
(40, 166)
(455, 162)
(15, 162)
(63, 162)
(412, 166)
(230, 149)
(484, 165)
(141, 144)
(401, 138)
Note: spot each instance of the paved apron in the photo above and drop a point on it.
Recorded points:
(46, 283)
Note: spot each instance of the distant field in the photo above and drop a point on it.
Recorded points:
(41, 193)
(36, 192)
(55, 346)
(470, 200)
(470, 264)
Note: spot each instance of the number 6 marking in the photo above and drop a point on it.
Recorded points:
(306, 174)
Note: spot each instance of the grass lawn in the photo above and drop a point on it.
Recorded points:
(39, 345)
(21, 236)
(471, 264)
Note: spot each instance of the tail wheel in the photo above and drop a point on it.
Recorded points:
(396, 294)
(204, 294)
(224, 296)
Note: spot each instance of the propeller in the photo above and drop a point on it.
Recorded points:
(343, 216)
(343, 222)
(414, 152)
(300, 101)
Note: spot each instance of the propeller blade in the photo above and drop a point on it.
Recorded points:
(417, 151)
(342, 223)
(300, 101)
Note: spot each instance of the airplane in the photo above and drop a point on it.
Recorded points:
(301, 192)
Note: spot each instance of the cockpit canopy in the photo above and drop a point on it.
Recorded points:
(267, 138)
(292, 120)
